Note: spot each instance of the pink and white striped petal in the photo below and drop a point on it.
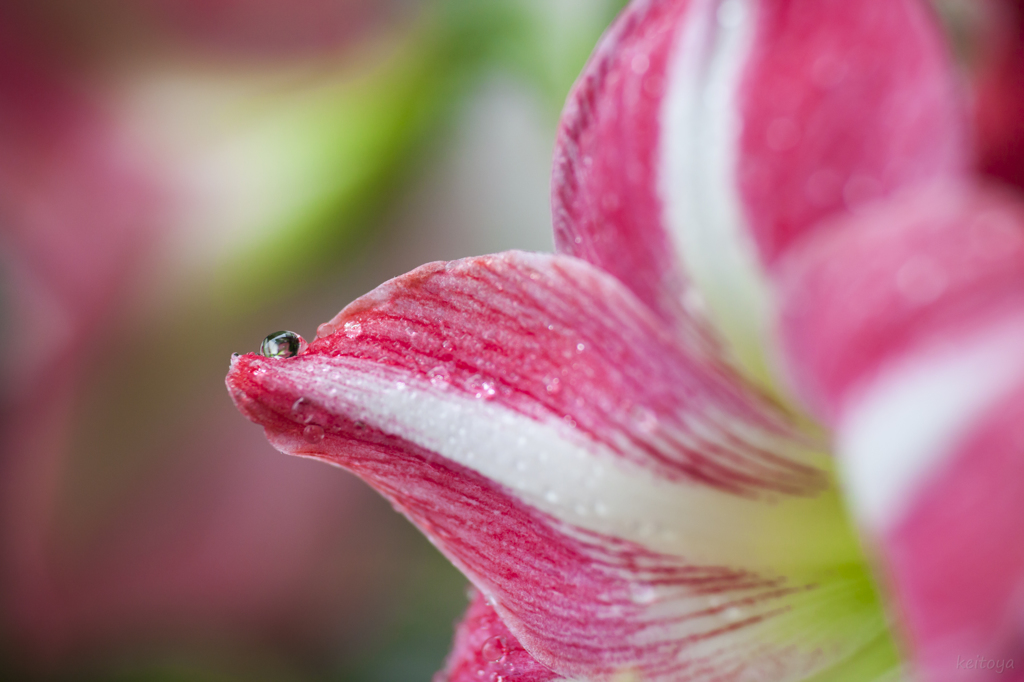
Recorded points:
(484, 649)
(933, 268)
(904, 328)
(625, 502)
(706, 136)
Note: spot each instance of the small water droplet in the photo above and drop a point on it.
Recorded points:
(301, 409)
(580, 347)
(551, 496)
(282, 344)
(400, 385)
(481, 387)
(644, 418)
(439, 377)
(494, 649)
(552, 385)
(359, 426)
(313, 433)
(733, 613)
(642, 593)
(326, 329)
(353, 329)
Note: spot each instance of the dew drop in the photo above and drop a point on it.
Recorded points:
(552, 385)
(439, 377)
(644, 418)
(642, 593)
(282, 345)
(301, 410)
(580, 347)
(494, 649)
(313, 433)
(481, 386)
(551, 496)
(353, 329)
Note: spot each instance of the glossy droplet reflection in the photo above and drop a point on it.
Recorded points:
(494, 649)
(282, 345)
(313, 433)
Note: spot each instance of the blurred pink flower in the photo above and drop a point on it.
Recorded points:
(598, 439)
(210, 542)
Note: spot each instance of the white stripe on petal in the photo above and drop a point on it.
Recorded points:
(555, 468)
(701, 129)
(899, 430)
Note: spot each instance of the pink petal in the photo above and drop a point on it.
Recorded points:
(904, 327)
(704, 138)
(602, 483)
(485, 649)
(604, 188)
(933, 265)
(956, 559)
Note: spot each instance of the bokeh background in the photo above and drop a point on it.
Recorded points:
(179, 178)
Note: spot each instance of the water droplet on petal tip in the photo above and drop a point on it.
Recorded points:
(283, 344)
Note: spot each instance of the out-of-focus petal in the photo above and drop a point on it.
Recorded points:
(485, 649)
(904, 328)
(76, 199)
(627, 503)
(723, 130)
(937, 266)
(76, 205)
(999, 92)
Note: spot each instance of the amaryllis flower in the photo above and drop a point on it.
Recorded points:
(597, 439)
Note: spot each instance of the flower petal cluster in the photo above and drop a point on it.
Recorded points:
(744, 190)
